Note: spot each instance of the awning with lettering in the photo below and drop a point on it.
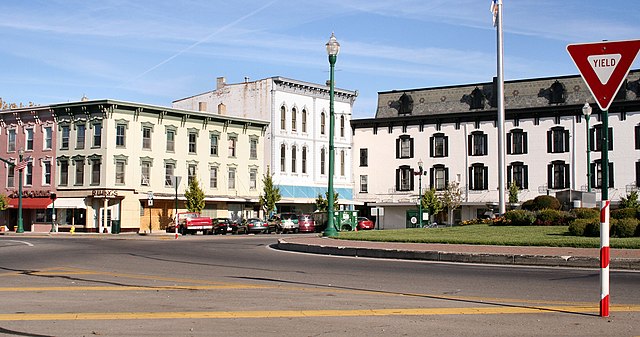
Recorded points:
(30, 203)
(69, 203)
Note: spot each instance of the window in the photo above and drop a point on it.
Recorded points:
(213, 177)
(557, 140)
(294, 119)
(364, 185)
(79, 172)
(171, 140)
(597, 177)
(404, 147)
(192, 142)
(11, 177)
(304, 160)
(146, 137)
(597, 138)
(48, 138)
(364, 157)
(11, 146)
(169, 168)
(322, 123)
(518, 174)
(213, 144)
(64, 173)
(232, 146)
(253, 179)
(120, 135)
(46, 173)
(95, 172)
(477, 143)
(64, 138)
(97, 135)
(439, 145)
(637, 133)
(304, 120)
(120, 172)
(283, 118)
(322, 161)
(342, 126)
(516, 142)
(439, 177)
(29, 139)
(558, 175)
(145, 173)
(282, 157)
(232, 178)
(253, 148)
(28, 174)
(294, 157)
(478, 177)
(80, 134)
(342, 163)
(404, 178)
(191, 173)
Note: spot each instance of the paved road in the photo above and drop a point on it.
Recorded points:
(238, 286)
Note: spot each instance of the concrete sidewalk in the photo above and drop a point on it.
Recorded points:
(628, 259)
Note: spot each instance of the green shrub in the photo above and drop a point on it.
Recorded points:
(586, 213)
(577, 227)
(552, 217)
(542, 202)
(593, 227)
(520, 217)
(624, 228)
(624, 213)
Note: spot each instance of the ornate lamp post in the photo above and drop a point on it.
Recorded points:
(420, 194)
(20, 228)
(333, 48)
(586, 111)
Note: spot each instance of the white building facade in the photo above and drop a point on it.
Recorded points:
(453, 131)
(296, 143)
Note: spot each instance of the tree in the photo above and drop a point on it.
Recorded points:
(322, 203)
(270, 194)
(431, 203)
(513, 193)
(630, 201)
(4, 202)
(452, 198)
(194, 196)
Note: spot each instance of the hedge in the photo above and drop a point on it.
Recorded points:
(624, 213)
(552, 217)
(586, 213)
(625, 228)
(520, 217)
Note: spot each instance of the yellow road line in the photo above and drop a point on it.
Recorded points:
(305, 313)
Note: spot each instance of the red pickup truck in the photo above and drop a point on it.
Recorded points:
(191, 223)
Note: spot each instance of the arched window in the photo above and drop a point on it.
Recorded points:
(293, 158)
(322, 161)
(304, 159)
(282, 157)
(294, 119)
(322, 123)
(342, 126)
(304, 120)
(283, 118)
(342, 163)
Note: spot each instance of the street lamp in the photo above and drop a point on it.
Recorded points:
(333, 48)
(20, 228)
(586, 111)
(420, 194)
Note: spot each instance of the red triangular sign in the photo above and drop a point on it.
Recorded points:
(604, 66)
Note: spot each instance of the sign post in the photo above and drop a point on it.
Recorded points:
(150, 204)
(604, 67)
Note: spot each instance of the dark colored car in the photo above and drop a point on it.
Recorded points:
(306, 223)
(364, 223)
(224, 226)
(254, 225)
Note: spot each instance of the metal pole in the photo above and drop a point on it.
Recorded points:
(20, 228)
(501, 116)
(604, 220)
(331, 229)
(588, 156)
(420, 198)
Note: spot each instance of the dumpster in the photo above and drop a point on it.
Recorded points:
(115, 226)
(345, 220)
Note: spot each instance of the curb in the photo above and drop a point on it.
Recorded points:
(439, 256)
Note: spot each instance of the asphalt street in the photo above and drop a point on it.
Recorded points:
(241, 286)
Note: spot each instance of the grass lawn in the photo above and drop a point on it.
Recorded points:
(551, 236)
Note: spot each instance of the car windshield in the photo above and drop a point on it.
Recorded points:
(306, 217)
(289, 217)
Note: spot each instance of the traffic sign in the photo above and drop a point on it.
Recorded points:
(604, 66)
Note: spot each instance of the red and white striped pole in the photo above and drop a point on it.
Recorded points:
(604, 258)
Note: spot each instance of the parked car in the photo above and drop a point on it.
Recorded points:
(191, 223)
(254, 225)
(286, 223)
(365, 223)
(306, 223)
(224, 226)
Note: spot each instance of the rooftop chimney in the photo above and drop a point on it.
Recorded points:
(220, 82)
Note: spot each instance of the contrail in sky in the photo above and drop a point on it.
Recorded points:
(218, 31)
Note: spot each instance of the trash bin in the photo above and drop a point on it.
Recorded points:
(115, 226)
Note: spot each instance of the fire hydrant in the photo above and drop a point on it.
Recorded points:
(73, 229)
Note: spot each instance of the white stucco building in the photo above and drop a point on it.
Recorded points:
(453, 131)
(297, 140)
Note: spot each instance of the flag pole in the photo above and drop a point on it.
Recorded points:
(501, 113)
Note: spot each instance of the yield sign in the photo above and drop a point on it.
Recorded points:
(604, 66)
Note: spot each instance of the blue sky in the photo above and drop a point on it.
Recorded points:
(156, 51)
